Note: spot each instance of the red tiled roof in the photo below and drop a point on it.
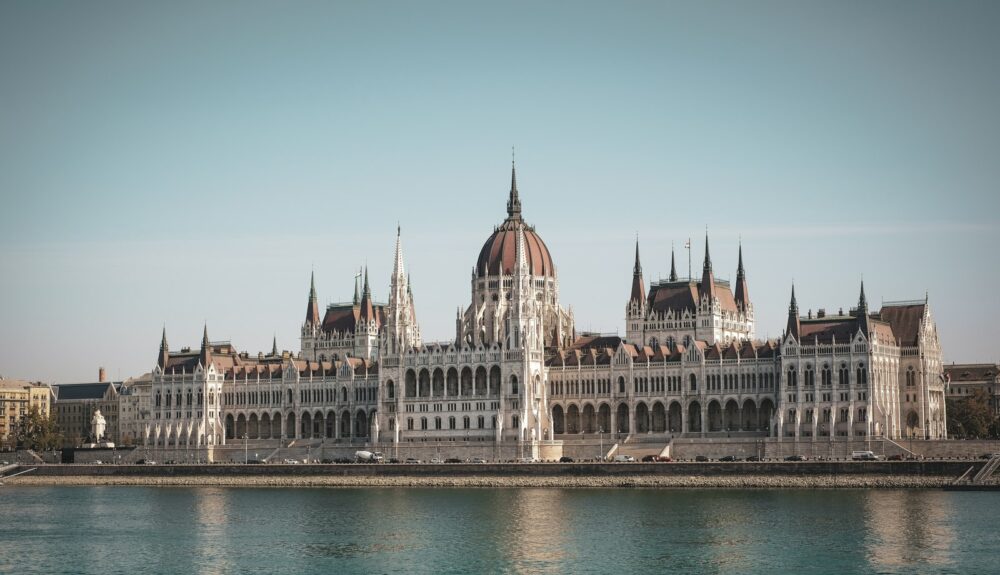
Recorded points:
(905, 321)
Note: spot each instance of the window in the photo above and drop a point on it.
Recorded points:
(465, 422)
(409, 423)
(694, 382)
(437, 423)
(513, 385)
(423, 423)
(451, 422)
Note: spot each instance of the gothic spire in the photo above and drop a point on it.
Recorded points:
(312, 307)
(862, 300)
(707, 277)
(513, 202)
(164, 350)
(367, 311)
(742, 293)
(793, 316)
(357, 295)
(205, 357)
(397, 271)
(638, 294)
(274, 346)
(673, 265)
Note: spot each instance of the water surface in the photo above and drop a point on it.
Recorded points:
(208, 530)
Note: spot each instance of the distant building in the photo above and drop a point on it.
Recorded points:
(17, 397)
(517, 372)
(965, 378)
(75, 404)
(134, 409)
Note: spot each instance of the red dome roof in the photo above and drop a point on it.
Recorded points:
(500, 252)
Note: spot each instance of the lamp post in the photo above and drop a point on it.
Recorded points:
(246, 449)
(600, 433)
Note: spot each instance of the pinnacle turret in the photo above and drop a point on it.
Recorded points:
(513, 202)
(638, 295)
(673, 266)
(312, 307)
(707, 277)
(742, 294)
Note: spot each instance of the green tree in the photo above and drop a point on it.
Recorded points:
(971, 416)
(35, 431)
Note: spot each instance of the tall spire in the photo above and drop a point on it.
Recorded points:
(514, 202)
(367, 311)
(274, 345)
(397, 270)
(638, 295)
(742, 292)
(793, 316)
(205, 357)
(164, 350)
(707, 277)
(862, 300)
(312, 308)
(673, 265)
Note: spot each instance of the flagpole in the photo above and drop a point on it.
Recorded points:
(688, 246)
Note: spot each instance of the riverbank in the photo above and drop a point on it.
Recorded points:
(561, 481)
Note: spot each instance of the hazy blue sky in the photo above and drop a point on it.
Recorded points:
(176, 163)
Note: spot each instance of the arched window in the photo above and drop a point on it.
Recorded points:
(409, 423)
(793, 377)
(845, 375)
(343, 394)
(423, 423)
(451, 422)
(158, 399)
(390, 389)
(437, 423)
(465, 422)
(513, 385)
(827, 375)
(200, 397)
(621, 384)
(810, 376)
(694, 382)
(290, 395)
(862, 378)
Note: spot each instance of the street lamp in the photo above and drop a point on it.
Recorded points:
(600, 433)
(246, 449)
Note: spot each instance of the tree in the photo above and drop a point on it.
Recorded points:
(35, 431)
(971, 416)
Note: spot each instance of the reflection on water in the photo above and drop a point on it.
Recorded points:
(105, 530)
(908, 529)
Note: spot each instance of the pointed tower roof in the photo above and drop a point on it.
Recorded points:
(367, 311)
(513, 202)
(863, 318)
(638, 286)
(742, 294)
(274, 346)
(205, 357)
(312, 307)
(673, 265)
(793, 316)
(164, 350)
(707, 277)
(397, 269)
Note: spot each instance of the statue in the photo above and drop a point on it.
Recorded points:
(97, 425)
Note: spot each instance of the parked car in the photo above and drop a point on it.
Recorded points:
(291, 461)
(145, 462)
(795, 458)
(526, 460)
(700, 458)
(729, 458)
(624, 459)
(753, 458)
(393, 460)
(655, 459)
(412, 460)
(170, 462)
(343, 460)
(477, 460)
(894, 457)
(565, 459)
(863, 456)
(436, 461)
(453, 460)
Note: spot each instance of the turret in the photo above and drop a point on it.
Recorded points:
(638, 295)
(863, 318)
(164, 356)
(673, 265)
(793, 317)
(205, 357)
(367, 311)
(513, 202)
(312, 308)
(742, 294)
(707, 277)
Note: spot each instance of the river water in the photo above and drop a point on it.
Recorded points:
(175, 530)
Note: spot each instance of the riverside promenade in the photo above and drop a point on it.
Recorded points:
(738, 475)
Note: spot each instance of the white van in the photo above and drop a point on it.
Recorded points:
(864, 456)
(624, 459)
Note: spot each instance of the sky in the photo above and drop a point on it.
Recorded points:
(189, 163)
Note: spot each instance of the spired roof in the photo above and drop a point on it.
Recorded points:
(344, 318)
(499, 253)
(684, 295)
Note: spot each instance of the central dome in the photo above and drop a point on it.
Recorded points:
(499, 253)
